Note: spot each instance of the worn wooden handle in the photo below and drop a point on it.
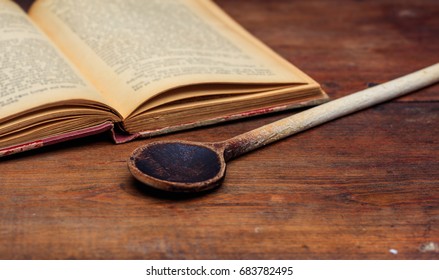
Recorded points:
(329, 111)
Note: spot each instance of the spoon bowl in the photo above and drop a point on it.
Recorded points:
(179, 166)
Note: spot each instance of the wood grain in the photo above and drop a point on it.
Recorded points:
(350, 189)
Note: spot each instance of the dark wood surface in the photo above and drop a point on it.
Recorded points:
(354, 188)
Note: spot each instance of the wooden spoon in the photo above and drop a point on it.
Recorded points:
(182, 166)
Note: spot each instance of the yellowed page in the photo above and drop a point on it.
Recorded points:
(132, 50)
(207, 91)
(171, 117)
(33, 72)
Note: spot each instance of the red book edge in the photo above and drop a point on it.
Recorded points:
(56, 139)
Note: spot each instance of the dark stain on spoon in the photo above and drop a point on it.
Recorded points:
(179, 162)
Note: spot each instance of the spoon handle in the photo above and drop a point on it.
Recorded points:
(329, 111)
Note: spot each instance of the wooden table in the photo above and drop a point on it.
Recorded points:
(362, 187)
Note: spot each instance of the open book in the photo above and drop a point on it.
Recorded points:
(71, 68)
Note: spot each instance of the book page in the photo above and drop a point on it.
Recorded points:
(32, 72)
(132, 50)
